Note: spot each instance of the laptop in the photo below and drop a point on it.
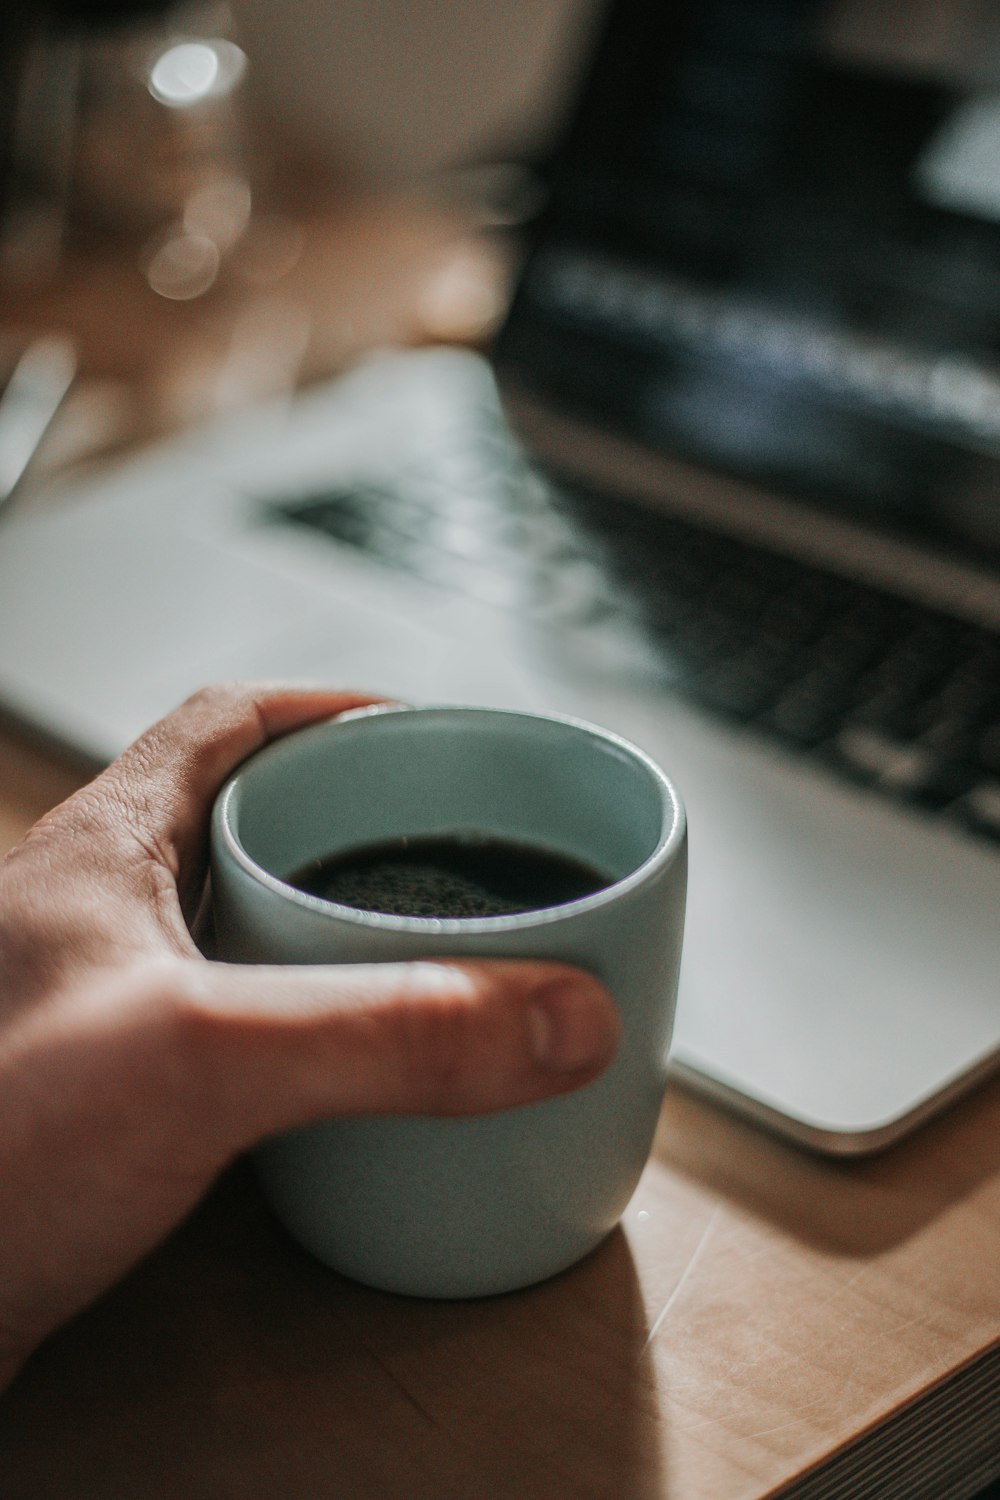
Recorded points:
(727, 484)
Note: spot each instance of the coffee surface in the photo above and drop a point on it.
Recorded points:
(449, 875)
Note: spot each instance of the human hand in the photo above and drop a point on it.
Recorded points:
(133, 1069)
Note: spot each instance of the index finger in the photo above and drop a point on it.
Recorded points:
(160, 790)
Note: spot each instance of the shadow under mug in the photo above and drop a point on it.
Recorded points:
(468, 1206)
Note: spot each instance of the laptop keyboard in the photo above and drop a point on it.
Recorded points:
(888, 693)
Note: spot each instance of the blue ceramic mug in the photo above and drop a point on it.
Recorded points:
(463, 1207)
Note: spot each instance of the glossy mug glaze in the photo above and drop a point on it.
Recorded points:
(461, 1207)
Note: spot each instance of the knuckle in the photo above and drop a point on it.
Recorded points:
(223, 719)
(180, 998)
(195, 744)
(204, 717)
(443, 1044)
(203, 714)
(214, 695)
(191, 1051)
(220, 702)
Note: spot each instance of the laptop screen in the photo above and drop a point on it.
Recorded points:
(771, 242)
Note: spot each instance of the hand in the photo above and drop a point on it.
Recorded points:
(132, 1069)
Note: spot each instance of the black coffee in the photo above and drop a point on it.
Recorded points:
(449, 875)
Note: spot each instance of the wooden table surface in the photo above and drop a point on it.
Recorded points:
(758, 1309)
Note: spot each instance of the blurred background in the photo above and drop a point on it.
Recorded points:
(408, 87)
(206, 203)
(211, 202)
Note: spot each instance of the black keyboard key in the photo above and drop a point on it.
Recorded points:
(986, 753)
(979, 809)
(875, 756)
(953, 740)
(731, 690)
(808, 714)
(883, 711)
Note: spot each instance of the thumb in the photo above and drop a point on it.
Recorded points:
(278, 1047)
(122, 1100)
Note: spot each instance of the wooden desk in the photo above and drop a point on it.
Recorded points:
(759, 1309)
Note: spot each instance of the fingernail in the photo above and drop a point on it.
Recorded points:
(572, 1026)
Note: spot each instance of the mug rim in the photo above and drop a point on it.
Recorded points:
(669, 843)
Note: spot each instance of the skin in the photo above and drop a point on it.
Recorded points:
(133, 1068)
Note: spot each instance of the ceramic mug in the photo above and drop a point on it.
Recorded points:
(468, 1206)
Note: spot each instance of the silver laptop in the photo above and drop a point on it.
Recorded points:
(748, 516)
